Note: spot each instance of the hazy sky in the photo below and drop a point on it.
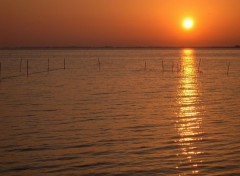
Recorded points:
(118, 23)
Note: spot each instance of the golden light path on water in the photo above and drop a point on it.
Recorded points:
(189, 119)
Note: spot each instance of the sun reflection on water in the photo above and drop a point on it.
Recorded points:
(189, 121)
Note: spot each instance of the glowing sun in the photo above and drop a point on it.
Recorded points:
(188, 23)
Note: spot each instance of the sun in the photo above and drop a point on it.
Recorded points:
(188, 23)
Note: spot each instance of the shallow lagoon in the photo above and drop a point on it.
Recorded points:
(126, 119)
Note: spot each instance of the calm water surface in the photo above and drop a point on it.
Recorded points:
(126, 119)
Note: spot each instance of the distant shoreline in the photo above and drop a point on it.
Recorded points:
(114, 48)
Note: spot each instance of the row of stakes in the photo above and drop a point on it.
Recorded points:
(20, 67)
(179, 67)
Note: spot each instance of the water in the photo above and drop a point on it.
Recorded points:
(123, 119)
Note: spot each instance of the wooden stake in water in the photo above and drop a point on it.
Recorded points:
(64, 64)
(199, 64)
(179, 65)
(163, 65)
(228, 68)
(172, 66)
(99, 65)
(27, 68)
(48, 65)
(20, 69)
(0, 71)
(145, 65)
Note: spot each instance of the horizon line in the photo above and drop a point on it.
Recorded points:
(118, 47)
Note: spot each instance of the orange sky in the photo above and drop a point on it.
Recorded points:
(118, 23)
